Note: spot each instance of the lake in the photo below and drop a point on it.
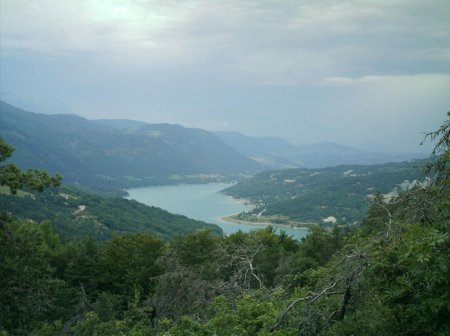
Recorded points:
(202, 202)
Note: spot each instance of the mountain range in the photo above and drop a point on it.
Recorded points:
(102, 155)
(277, 153)
(110, 155)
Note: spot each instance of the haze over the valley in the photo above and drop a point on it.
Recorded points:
(371, 74)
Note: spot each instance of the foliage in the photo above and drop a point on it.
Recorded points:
(441, 149)
(32, 179)
(128, 264)
(29, 291)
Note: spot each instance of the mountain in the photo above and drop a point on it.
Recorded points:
(121, 124)
(271, 151)
(338, 195)
(279, 153)
(103, 156)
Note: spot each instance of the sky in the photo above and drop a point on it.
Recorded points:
(374, 74)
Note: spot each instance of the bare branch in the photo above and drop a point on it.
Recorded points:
(349, 267)
(389, 223)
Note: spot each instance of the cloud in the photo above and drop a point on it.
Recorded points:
(307, 70)
(287, 42)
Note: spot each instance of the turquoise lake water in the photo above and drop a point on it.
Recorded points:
(202, 202)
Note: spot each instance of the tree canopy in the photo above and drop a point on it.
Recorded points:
(14, 178)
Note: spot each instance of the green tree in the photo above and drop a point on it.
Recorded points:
(14, 178)
(29, 291)
(129, 265)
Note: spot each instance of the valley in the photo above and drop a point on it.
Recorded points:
(117, 250)
(224, 168)
(205, 202)
(110, 157)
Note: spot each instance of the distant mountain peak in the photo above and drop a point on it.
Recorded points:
(278, 153)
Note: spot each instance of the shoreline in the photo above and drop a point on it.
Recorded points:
(294, 225)
(244, 201)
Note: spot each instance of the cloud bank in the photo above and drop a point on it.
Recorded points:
(348, 71)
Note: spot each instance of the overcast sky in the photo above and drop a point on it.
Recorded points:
(373, 74)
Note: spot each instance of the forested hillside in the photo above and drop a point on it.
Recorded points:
(390, 276)
(312, 195)
(76, 214)
(101, 156)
